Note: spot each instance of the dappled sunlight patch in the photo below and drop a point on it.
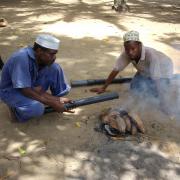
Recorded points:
(6, 43)
(81, 155)
(77, 111)
(113, 53)
(94, 2)
(17, 9)
(61, 128)
(12, 37)
(66, 2)
(147, 28)
(21, 133)
(77, 1)
(81, 165)
(73, 163)
(19, 149)
(34, 146)
(24, 14)
(70, 61)
(94, 28)
(46, 18)
(171, 148)
(13, 147)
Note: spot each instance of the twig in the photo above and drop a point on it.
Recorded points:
(124, 138)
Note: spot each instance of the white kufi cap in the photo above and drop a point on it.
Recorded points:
(131, 36)
(48, 41)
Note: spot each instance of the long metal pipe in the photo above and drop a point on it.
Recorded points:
(91, 82)
(87, 101)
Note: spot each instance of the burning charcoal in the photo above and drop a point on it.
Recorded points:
(111, 131)
(114, 113)
(113, 123)
(109, 117)
(105, 119)
(128, 123)
(108, 130)
(138, 122)
(121, 124)
(133, 129)
(104, 115)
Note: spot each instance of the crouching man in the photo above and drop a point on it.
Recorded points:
(154, 69)
(28, 74)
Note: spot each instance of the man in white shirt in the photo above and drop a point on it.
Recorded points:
(154, 69)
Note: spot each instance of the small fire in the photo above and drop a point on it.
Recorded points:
(119, 122)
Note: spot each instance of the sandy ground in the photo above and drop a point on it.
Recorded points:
(91, 39)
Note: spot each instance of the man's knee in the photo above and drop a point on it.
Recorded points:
(143, 85)
(38, 108)
(135, 84)
(29, 111)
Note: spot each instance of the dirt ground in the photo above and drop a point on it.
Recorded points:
(91, 39)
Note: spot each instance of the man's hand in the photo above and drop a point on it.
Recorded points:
(55, 102)
(111, 76)
(98, 90)
(57, 106)
(64, 101)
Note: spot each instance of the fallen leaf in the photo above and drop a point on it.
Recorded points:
(22, 151)
(78, 124)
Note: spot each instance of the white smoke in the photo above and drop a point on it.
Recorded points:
(142, 101)
(173, 96)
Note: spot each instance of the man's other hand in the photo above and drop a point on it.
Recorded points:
(98, 90)
(64, 101)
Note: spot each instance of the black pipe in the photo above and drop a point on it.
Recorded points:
(90, 82)
(87, 101)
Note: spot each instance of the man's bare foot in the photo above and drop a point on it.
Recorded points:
(3, 22)
(12, 115)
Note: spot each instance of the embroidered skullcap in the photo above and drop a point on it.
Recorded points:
(48, 41)
(131, 36)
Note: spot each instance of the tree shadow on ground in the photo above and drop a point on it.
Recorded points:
(56, 148)
(31, 16)
(157, 11)
(171, 39)
(101, 160)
